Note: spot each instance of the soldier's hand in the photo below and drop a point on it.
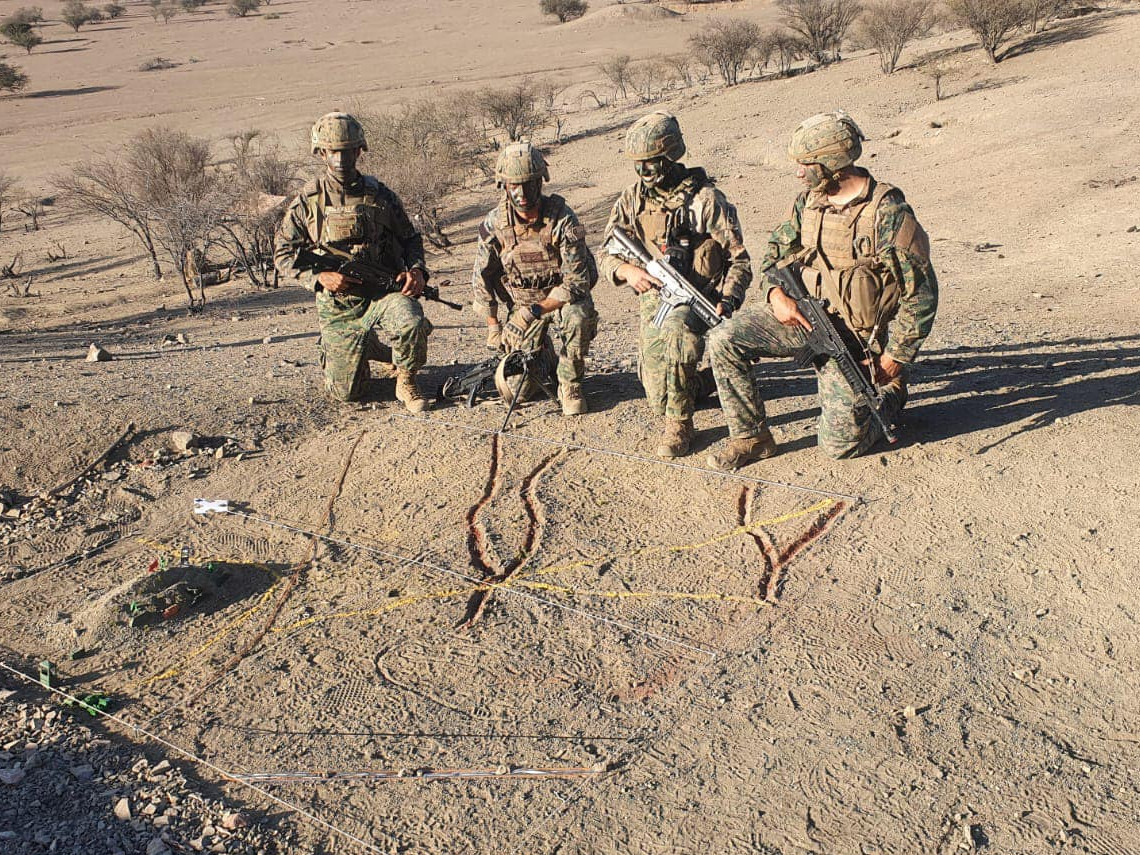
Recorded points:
(786, 311)
(334, 282)
(514, 333)
(637, 279)
(886, 369)
(411, 282)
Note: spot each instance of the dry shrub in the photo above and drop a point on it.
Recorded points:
(992, 21)
(7, 189)
(515, 110)
(726, 45)
(425, 151)
(821, 24)
(261, 181)
(887, 26)
(564, 10)
(616, 70)
(241, 8)
(11, 78)
(787, 47)
(76, 13)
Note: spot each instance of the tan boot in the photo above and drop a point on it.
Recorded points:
(571, 398)
(407, 393)
(740, 452)
(676, 438)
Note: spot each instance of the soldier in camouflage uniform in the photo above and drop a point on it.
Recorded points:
(864, 252)
(532, 253)
(675, 211)
(357, 214)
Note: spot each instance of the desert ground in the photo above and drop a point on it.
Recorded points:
(931, 649)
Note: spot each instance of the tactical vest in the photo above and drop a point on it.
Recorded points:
(532, 263)
(661, 221)
(843, 262)
(362, 222)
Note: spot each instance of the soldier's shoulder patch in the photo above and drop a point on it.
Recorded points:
(311, 188)
(485, 232)
(578, 231)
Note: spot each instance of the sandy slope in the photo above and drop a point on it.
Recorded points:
(951, 660)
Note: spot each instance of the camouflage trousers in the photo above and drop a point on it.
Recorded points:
(349, 340)
(846, 428)
(668, 360)
(576, 324)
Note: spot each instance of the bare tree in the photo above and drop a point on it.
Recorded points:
(19, 28)
(616, 71)
(32, 207)
(726, 45)
(109, 189)
(260, 184)
(888, 26)
(681, 66)
(822, 24)
(992, 21)
(75, 14)
(547, 91)
(114, 10)
(647, 78)
(937, 67)
(514, 110)
(762, 53)
(788, 47)
(564, 10)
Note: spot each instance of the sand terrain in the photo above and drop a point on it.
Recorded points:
(931, 649)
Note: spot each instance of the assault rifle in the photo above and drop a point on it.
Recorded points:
(335, 262)
(675, 289)
(475, 382)
(826, 341)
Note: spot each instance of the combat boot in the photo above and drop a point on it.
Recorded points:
(408, 393)
(571, 398)
(742, 451)
(676, 438)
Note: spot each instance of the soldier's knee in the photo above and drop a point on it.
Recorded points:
(719, 341)
(682, 346)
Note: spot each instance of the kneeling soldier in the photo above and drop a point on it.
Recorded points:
(358, 216)
(862, 251)
(532, 250)
(678, 212)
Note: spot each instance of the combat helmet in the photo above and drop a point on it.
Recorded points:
(655, 135)
(337, 132)
(519, 163)
(832, 140)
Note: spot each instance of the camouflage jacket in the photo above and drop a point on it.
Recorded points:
(365, 218)
(570, 266)
(918, 300)
(710, 214)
